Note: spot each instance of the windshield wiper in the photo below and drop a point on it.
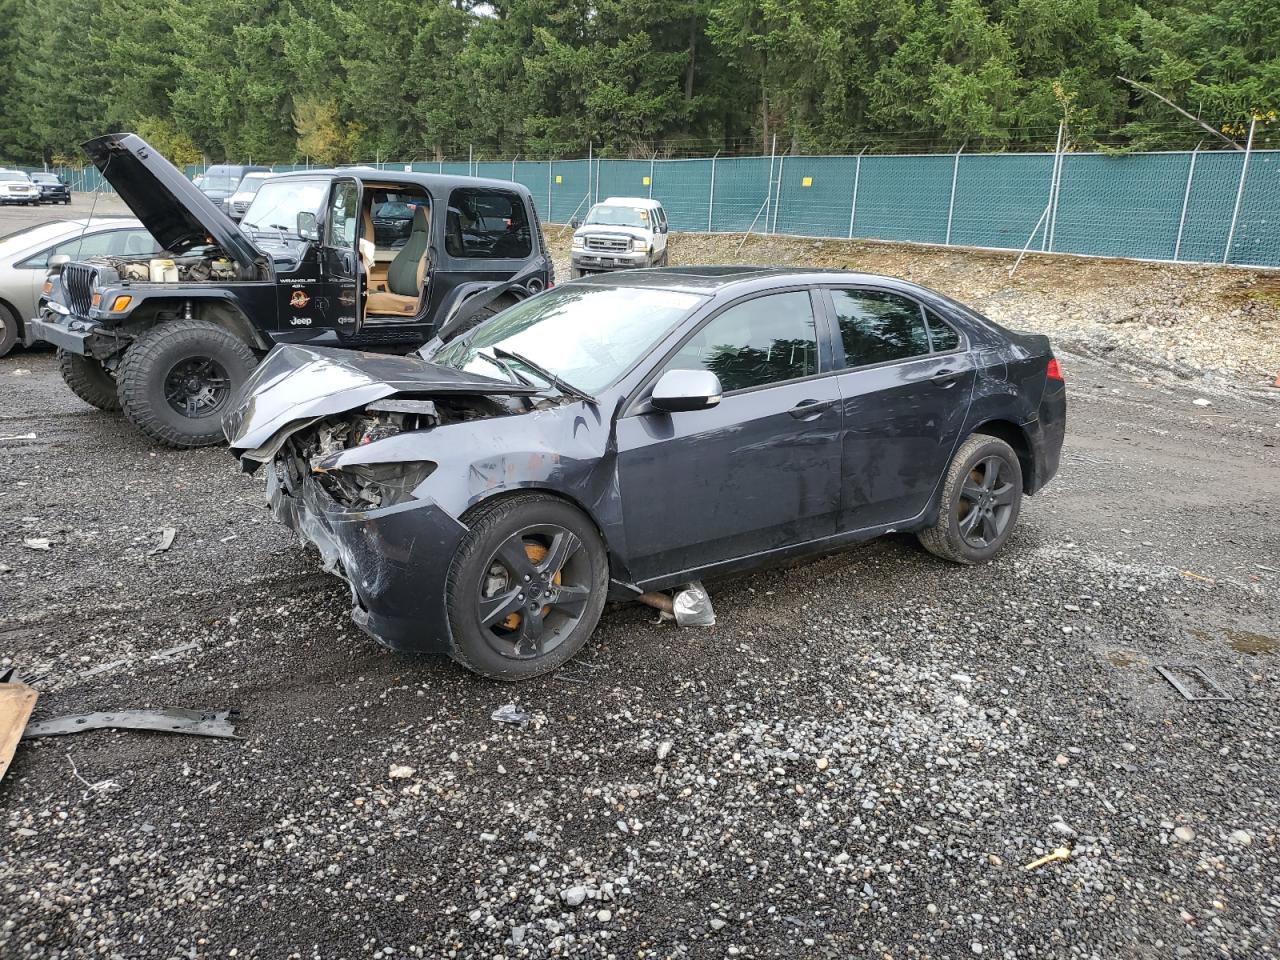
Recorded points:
(545, 374)
(506, 368)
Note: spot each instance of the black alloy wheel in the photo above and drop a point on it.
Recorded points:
(535, 592)
(985, 505)
(197, 387)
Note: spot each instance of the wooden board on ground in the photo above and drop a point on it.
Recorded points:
(17, 700)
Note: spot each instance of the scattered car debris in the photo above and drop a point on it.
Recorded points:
(5, 568)
(19, 436)
(690, 607)
(37, 543)
(400, 772)
(510, 713)
(166, 541)
(693, 607)
(1061, 853)
(196, 723)
(1201, 402)
(102, 786)
(1210, 691)
(159, 656)
(17, 700)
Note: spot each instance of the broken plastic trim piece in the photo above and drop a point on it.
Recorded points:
(196, 723)
(1215, 692)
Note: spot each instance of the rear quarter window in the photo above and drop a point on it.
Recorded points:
(485, 224)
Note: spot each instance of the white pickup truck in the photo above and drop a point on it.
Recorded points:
(620, 233)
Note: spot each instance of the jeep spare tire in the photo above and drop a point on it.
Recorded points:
(178, 379)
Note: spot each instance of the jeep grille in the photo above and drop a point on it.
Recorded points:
(77, 281)
(608, 244)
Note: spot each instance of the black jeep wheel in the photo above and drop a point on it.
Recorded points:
(8, 329)
(526, 587)
(179, 378)
(981, 498)
(89, 380)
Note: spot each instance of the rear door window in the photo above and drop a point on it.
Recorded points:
(876, 326)
(943, 335)
(484, 224)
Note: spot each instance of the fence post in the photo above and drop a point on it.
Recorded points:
(590, 155)
(1244, 171)
(651, 159)
(1053, 185)
(768, 193)
(550, 163)
(951, 207)
(711, 198)
(857, 173)
(1186, 197)
(513, 167)
(778, 194)
(1057, 185)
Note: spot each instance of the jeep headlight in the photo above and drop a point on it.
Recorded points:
(639, 246)
(578, 242)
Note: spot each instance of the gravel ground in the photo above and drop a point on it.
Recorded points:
(856, 761)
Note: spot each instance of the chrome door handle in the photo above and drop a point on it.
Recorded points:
(945, 378)
(806, 409)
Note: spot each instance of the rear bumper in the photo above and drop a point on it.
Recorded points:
(394, 559)
(1047, 435)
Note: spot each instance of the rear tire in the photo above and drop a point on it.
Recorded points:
(981, 499)
(563, 550)
(180, 377)
(89, 380)
(8, 329)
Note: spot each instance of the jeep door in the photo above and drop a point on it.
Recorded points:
(340, 256)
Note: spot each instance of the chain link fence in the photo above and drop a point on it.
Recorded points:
(1203, 206)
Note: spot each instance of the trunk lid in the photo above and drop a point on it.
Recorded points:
(297, 385)
(169, 205)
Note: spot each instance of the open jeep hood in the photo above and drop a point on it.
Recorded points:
(177, 214)
(297, 385)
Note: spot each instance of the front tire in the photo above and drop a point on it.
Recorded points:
(89, 380)
(981, 499)
(8, 329)
(178, 378)
(526, 587)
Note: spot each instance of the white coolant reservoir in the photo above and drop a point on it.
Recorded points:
(164, 271)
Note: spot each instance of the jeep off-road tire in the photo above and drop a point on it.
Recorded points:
(89, 380)
(500, 651)
(8, 329)
(179, 378)
(981, 499)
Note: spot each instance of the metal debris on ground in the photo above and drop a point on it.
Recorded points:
(510, 713)
(19, 436)
(17, 700)
(1214, 692)
(101, 786)
(166, 541)
(158, 656)
(1061, 853)
(196, 723)
(37, 543)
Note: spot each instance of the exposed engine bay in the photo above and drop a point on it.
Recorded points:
(316, 450)
(210, 265)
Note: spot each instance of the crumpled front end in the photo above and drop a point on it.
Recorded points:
(394, 556)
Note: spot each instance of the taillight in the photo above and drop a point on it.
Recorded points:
(1053, 371)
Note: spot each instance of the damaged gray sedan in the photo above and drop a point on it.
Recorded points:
(639, 430)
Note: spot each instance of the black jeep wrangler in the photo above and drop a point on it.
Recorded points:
(170, 337)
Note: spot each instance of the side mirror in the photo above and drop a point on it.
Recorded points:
(308, 225)
(576, 222)
(680, 390)
(57, 262)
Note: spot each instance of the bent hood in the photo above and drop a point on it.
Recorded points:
(169, 205)
(297, 385)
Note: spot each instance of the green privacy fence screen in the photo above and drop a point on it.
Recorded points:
(1204, 206)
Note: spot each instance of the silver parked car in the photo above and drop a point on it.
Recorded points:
(24, 261)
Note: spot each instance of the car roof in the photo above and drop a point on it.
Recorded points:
(632, 202)
(434, 182)
(711, 280)
(52, 231)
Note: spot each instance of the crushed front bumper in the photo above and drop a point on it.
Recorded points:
(64, 332)
(395, 559)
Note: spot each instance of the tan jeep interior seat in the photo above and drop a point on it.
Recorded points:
(399, 294)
